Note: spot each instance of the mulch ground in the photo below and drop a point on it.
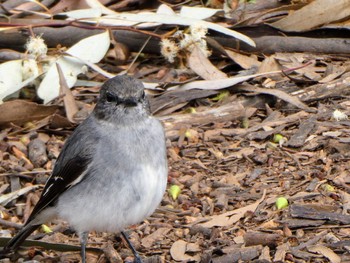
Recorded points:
(230, 174)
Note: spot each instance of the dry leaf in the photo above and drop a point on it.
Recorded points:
(21, 111)
(317, 13)
(279, 94)
(198, 12)
(178, 251)
(217, 84)
(269, 64)
(244, 61)
(132, 19)
(12, 74)
(73, 64)
(200, 64)
(68, 98)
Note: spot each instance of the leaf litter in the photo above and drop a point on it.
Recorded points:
(222, 114)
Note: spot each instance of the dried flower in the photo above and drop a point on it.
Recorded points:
(198, 31)
(186, 42)
(339, 115)
(36, 46)
(169, 49)
(196, 38)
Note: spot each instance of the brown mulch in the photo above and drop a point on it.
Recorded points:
(230, 178)
(236, 153)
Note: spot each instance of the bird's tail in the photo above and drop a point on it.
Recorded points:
(18, 239)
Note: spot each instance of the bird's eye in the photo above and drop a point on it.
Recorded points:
(111, 97)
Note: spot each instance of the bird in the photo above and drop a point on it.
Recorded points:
(111, 172)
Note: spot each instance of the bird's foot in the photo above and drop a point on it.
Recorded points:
(138, 259)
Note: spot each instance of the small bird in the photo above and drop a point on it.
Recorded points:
(111, 172)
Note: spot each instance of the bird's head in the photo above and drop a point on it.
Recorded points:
(122, 97)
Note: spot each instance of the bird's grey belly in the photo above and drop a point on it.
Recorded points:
(111, 204)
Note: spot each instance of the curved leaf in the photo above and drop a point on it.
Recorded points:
(72, 65)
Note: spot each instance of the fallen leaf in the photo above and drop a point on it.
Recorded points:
(198, 12)
(269, 64)
(83, 13)
(317, 13)
(178, 251)
(281, 95)
(200, 64)
(132, 19)
(12, 74)
(95, 4)
(68, 98)
(72, 65)
(244, 61)
(218, 83)
(21, 111)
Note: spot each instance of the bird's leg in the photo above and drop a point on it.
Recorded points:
(136, 255)
(83, 240)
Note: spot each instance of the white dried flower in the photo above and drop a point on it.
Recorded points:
(188, 43)
(198, 31)
(169, 49)
(178, 34)
(339, 115)
(196, 38)
(36, 46)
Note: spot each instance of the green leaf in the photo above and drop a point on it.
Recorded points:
(174, 191)
(281, 202)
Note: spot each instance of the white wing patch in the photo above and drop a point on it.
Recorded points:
(80, 177)
(56, 178)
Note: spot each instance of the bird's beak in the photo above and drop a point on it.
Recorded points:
(131, 102)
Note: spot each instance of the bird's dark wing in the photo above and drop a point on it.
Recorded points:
(59, 181)
(70, 168)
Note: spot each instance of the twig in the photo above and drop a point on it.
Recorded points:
(10, 224)
(311, 241)
(141, 49)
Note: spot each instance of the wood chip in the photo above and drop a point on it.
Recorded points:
(325, 251)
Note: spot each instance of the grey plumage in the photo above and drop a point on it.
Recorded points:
(112, 171)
